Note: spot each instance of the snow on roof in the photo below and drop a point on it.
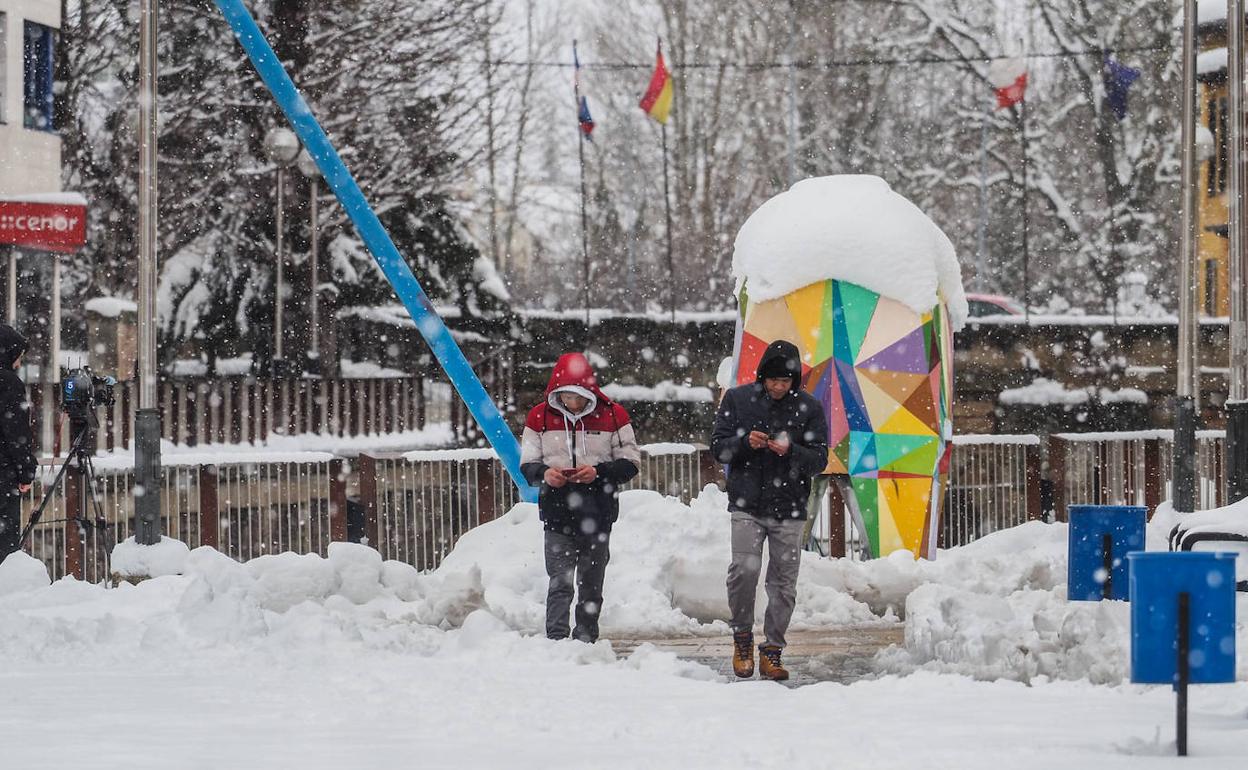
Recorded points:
(56, 198)
(1211, 61)
(852, 228)
(663, 391)
(110, 307)
(1207, 12)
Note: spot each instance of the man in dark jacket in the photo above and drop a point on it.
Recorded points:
(773, 437)
(17, 461)
(579, 446)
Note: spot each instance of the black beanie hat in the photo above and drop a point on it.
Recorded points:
(775, 367)
(780, 359)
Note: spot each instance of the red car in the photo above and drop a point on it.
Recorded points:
(981, 305)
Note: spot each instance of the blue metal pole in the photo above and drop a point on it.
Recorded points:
(377, 240)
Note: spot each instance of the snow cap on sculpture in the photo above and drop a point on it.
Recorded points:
(851, 228)
(869, 289)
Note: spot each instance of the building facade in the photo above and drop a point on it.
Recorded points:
(30, 148)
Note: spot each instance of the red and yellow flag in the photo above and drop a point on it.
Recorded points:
(657, 102)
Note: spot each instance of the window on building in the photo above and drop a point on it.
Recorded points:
(38, 60)
(1211, 287)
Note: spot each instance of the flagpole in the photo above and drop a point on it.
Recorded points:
(667, 207)
(981, 236)
(1026, 221)
(580, 151)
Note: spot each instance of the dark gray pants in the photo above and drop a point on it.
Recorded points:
(10, 523)
(784, 550)
(575, 562)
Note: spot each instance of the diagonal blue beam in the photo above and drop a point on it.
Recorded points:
(375, 237)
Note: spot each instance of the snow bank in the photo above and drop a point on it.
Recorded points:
(22, 572)
(853, 228)
(982, 619)
(668, 565)
(1021, 636)
(995, 609)
(168, 557)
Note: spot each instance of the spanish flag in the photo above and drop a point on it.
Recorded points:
(657, 102)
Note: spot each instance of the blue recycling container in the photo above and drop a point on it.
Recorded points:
(1086, 574)
(1156, 580)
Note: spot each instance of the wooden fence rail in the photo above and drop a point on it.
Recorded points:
(242, 410)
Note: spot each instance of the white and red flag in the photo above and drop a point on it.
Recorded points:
(1009, 78)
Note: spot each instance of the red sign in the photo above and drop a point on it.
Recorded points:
(49, 226)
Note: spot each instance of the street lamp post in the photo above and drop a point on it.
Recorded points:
(1187, 391)
(282, 146)
(147, 529)
(307, 166)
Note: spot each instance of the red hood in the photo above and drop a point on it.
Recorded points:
(573, 369)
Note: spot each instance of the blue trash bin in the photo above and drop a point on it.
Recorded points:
(1090, 577)
(1157, 579)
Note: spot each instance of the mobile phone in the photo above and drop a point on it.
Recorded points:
(568, 471)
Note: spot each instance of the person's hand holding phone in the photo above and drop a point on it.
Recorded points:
(584, 474)
(779, 443)
(556, 477)
(757, 439)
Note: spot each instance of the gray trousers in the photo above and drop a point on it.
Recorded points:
(784, 549)
(575, 563)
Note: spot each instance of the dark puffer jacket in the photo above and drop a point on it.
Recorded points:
(17, 460)
(760, 481)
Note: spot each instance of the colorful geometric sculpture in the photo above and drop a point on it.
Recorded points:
(884, 376)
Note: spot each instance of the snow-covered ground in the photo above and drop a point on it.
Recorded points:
(298, 661)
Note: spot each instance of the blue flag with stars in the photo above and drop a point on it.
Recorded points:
(1118, 81)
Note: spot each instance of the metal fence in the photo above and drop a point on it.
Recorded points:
(993, 484)
(418, 505)
(244, 508)
(414, 507)
(1131, 468)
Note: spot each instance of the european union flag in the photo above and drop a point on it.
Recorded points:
(1118, 80)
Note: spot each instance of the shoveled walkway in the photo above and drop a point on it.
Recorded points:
(828, 655)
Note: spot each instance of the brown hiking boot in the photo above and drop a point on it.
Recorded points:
(769, 665)
(743, 654)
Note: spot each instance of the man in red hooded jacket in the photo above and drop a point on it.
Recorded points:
(579, 446)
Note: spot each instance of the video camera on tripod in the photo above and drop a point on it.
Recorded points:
(82, 392)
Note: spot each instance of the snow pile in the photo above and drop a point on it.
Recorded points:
(668, 565)
(1021, 636)
(995, 609)
(22, 572)
(168, 557)
(853, 228)
(1214, 523)
(972, 618)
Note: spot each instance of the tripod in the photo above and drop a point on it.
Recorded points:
(83, 431)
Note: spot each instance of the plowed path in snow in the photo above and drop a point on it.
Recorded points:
(826, 655)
